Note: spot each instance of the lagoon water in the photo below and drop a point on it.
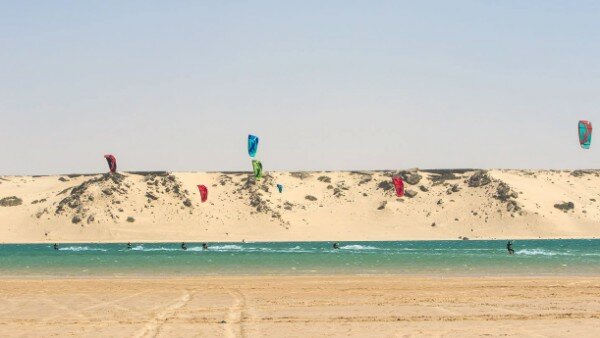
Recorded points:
(532, 257)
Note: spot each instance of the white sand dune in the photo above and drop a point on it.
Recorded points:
(446, 204)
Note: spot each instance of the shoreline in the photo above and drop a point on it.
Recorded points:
(345, 275)
(141, 242)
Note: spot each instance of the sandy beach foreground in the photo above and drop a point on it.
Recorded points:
(307, 306)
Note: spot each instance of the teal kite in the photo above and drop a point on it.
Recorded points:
(585, 134)
(252, 145)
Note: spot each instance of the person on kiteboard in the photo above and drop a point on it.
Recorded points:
(510, 248)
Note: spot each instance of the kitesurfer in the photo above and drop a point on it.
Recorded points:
(55, 246)
(336, 245)
(510, 248)
(183, 246)
(128, 245)
(204, 246)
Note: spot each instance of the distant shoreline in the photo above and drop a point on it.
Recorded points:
(134, 242)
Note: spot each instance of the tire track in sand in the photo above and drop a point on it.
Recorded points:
(234, 321)
(152, 328)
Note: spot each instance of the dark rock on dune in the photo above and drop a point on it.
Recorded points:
(310, 198)
(382, 205)
(565, 206)
(410, 193)
(150, 173)
(452, 189)
(361, 173)
(130, 219)
(365, 180)
(64, 191)
(423, 188)
(187, 202)
(337, 192)
(288, 206)
(39, 201)
(80, 195)
(76, 219)
(325, 179)
(62, 179)
(385, 185)
(411, 177)
(151, 196)
(256, 191)
(479, 179)
(90, 219)
(512, 206)
(581, 173)
(504, 192)
(11, 201)
(465, 238)
(443, 176)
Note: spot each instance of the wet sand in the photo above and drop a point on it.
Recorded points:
(302, 306)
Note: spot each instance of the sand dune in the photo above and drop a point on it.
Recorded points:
(440, 204)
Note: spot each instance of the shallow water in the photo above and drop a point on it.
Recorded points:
(532, 257)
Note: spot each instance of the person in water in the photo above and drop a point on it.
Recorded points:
(336, 245)
(510, 248)
(183, 246)
(55, 246)
(128, 245)
(204, 246)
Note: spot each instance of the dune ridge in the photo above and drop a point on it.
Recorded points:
(336, 205)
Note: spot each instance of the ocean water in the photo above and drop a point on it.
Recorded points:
(532, 257)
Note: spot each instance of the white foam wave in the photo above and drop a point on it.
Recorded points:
(160, 249)
(80, 248)
(226, 247)
(540, 252)
(358, 247)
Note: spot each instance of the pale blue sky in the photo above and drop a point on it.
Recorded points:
(177, 85)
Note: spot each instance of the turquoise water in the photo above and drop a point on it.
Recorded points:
(532, 257)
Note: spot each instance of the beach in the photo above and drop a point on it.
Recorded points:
(313, 206)
(294, 306)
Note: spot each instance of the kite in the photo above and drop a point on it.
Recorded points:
(399, 184)
(252, 145)
(585, 134)
(112, 162)
(257, 168)
(203, 193)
